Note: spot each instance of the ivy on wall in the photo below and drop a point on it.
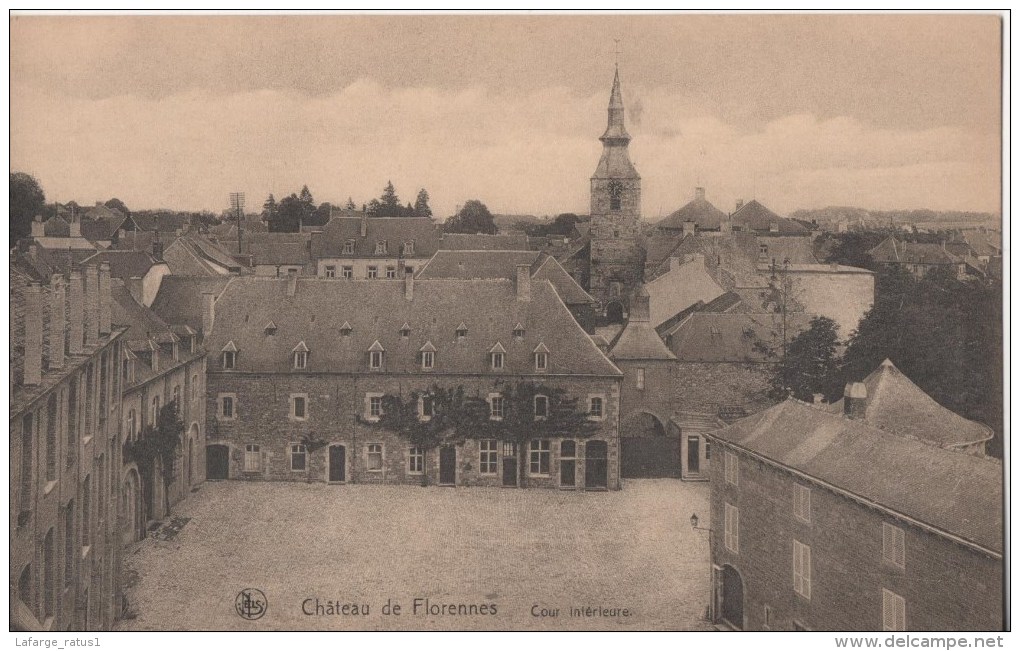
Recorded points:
(160, 442)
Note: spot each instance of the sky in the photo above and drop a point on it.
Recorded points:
(798, 111)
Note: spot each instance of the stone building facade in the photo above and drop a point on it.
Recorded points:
(65, 451)
(871, 531)
(299, 369)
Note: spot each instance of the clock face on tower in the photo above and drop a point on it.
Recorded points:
(615, 192)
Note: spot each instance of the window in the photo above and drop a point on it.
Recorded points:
(374, 458)
(802, 569)
(348, 247)
(708, 450)
(541, 407)
(252, 458)
(301, 359)
(298, 457)
(730, 468)
(518, 331)
(373, 272)
(391, 272)
(177, 399)
(299, 406)
(154, 415)
(27, 461)
(768, 617)
(541, 361)
(380, 247)
(374, 401)
(763, 249)
(51, 438)
(229, 359)
(495, 406)
(86, 511)
(497, 361)
(802, 502)
(194, 387)
(461, 332)
(131, 425)
(639, 378)
(893, 545)
(539, 457)
(330, 271)
(347, 272)
(894, 611)
(615, 195)
(428, 360)
(731, 528)
(596, 407)
(346, 329)
(415, 461)
(409, 247)
(69, 546)
(487, 457)
(375, 358)
(426, 408)
(228, 409)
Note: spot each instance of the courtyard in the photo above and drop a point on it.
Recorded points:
(450, 558)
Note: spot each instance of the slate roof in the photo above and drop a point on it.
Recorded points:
(124, 263)
(394, 230)
(890, 250)
(479, 242)
(141, 322)
(179, 299)
(228, 230)
(319, 307)
(503, 264)
(200, 256)
(699, 210)
(638, 340)
(680, 288)
(731, 337)
(164, 222)
(896, 404)
(753, 216)
(57, 226)
(984, 242)
(957, 493)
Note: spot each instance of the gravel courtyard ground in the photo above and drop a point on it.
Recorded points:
(363, 545)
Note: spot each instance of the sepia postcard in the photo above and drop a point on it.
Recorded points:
(508, 322)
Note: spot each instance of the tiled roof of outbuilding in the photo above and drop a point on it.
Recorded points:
(319, 307)
(953, 492)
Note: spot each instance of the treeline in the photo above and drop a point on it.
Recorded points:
(299, 209)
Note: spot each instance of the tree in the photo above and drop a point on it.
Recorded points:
(290, 214)
(389, 202)
(350, 204)
(563, 224)
(473, 218)
(421, 204)
(320, 216)
(811, 364)
(117, 204)
(268, 208)
(306, 196)
(27, 201)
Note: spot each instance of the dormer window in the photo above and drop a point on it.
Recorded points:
(229, 358)
(409, 247)
(270, 329)
(461, 332)
(518, 331)
(375, 356)
(405, 330)
(380, 247)
(497, 357)
(349, 247)
(428, 357)
(541, 358)
(346, 329)
(300, 356)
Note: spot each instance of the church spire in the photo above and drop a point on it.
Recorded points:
(616, 133)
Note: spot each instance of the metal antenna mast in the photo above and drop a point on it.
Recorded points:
(237, 206)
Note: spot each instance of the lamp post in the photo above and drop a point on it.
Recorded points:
(711, 574)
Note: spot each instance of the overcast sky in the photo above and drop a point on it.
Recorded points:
(798, 111)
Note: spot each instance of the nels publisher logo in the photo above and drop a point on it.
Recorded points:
(251, 603)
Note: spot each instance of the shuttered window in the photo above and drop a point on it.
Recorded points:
(802, 502)
(730, 468)
(731, 529)
(802, 569)
(894, 611)
(893, 545)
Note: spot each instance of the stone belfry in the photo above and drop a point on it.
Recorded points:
(616, 263)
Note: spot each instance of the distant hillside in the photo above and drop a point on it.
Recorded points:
(946, 217)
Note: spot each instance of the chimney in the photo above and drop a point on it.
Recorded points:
(291, 282)
(91, 305)
(740, 204)
(688, 228)
(136, 289)
(75, 226)
(674, 263)
(855, 400)
(38, 227)
(401, 268)
(208, 312)
(640, 306)
(523, 282)
(408, 286)
(699, 194)
(364, 224)
(33, 334)
(157, 246)
(105, 298)
(58, 321)
(76, 319)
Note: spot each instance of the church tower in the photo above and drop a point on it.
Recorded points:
(615, 264)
